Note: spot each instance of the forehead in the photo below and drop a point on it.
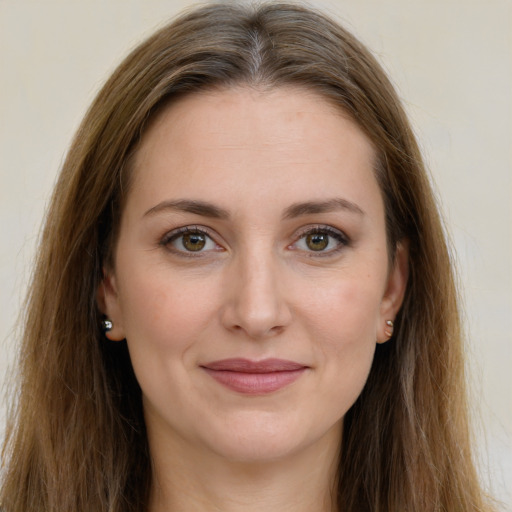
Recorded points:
(285, 139)
(250, 112)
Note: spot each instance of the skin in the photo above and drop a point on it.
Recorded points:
(256, 290)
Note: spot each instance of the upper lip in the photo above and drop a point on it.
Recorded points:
(247, 366)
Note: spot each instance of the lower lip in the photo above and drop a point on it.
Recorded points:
(255, 383)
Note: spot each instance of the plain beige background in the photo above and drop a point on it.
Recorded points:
(452, 63)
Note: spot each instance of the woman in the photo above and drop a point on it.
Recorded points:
(243, 298)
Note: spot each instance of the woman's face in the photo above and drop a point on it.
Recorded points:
(251, 277)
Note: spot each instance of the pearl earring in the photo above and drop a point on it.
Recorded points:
(389, 330)
(106, 325)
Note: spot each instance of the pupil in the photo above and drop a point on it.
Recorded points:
(317, 241)
(193, 241)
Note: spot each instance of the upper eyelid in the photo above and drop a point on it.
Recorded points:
(321, 228)
(169, 235)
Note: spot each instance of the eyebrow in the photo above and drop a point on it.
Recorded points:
(202, 208)
(311, 207)
(206, 209)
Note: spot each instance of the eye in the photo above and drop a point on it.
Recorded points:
(322, 240)
(189, 240)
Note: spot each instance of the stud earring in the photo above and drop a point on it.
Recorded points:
(106, 325)
(389, 330)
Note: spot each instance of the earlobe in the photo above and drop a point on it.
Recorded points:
(395, 291)
(108, 303)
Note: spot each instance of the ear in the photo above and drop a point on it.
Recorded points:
(394, 292)
(108, 303)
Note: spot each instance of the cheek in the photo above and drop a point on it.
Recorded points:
(345, 310)
(343, 324)
(165, 320)
(164, 312)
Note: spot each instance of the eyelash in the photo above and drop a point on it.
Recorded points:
(341, 239)
(180, 232)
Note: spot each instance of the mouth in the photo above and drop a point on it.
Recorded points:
(254, 377)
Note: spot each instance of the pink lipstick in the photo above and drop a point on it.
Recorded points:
(254, 377)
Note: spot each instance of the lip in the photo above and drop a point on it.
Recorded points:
(254, 377)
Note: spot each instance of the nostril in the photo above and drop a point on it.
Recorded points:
(254, 332)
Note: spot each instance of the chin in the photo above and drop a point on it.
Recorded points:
(257, 449)
(260, 440)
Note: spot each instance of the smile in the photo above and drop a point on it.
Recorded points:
(254, 377)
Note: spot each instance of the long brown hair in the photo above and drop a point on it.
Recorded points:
(77, 440)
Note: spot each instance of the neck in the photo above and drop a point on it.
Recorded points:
(195, 481)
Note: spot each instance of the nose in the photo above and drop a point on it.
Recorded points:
(254, 302)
